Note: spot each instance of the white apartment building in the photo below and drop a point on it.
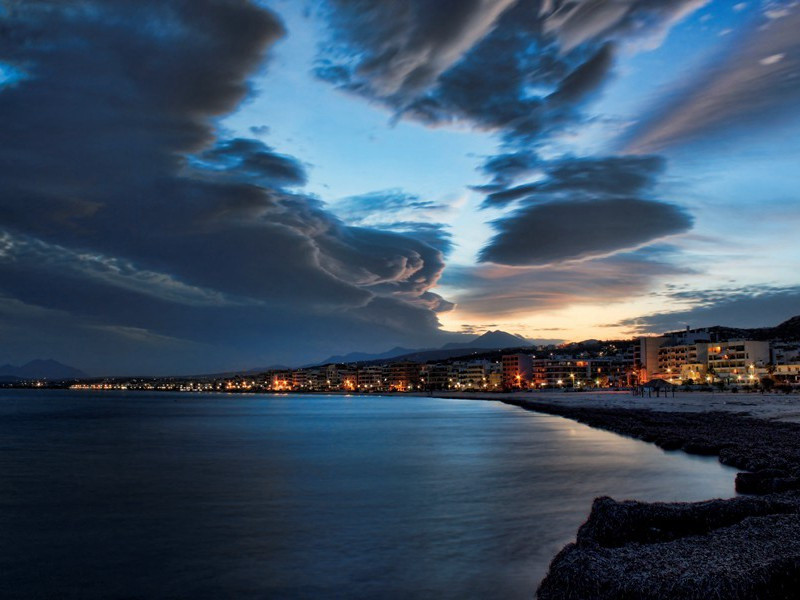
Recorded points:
(736, 361)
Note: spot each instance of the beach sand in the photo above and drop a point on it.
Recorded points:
(772, 406)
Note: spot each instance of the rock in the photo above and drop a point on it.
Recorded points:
(739, 557)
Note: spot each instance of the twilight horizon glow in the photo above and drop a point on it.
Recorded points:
(208, 185)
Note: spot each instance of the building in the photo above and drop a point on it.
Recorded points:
(281, 381)
(645, 357)
(650, 361)
(435, 376)
(736, 361)
(472, 375)
(370, 378)
(682, 362)
(784, 353)
(348, 378)
(561, 372)
(300, 379)
(494, 376)
(610, 371)
(403, 376)
(517, 370)
(787, 373)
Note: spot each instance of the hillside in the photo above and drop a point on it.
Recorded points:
(41, 369)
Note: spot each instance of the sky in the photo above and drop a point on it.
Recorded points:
(192, 186)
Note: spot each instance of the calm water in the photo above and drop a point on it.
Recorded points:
(179, 496)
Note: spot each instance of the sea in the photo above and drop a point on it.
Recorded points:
(127, 495)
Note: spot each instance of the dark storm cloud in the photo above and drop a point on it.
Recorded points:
(586, 77)
(254, 161)
(404, 46)
(490, 290)
(400, 212)
(436, 235)
(567, 229)
(522, 67)
(507, 168)
(123, 210)
(757, 83)
(760, 306)
(505, 75)
(609, 176)
(583, 208)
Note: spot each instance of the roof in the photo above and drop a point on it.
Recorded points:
(658, 384)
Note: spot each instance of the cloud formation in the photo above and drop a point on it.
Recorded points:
(405, 46)
(756, 83)
(510, 78)
(495, 290)
(582, 208)
(568, 230)
(576, 23)
(124, 211)
(756, 306)
(526, 77)
(521, 68)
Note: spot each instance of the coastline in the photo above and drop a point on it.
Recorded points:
(743, 547)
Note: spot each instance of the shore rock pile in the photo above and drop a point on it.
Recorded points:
(740, 548)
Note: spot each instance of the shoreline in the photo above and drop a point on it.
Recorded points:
(744, 547)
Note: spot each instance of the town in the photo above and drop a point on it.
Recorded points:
(714, 357)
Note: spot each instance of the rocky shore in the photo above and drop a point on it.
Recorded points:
(744, 547)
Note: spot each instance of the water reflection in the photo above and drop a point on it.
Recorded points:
(288, 497)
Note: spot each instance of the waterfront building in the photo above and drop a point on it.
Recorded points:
(472, 375)
(645, 357)
(436, 376)
(333, 378)
(370, 378)
(281, 381)
(784, 352)
(403, 376)
(300, 379)
(693, 372)
(610, 371)
(316, 379)
(348, 378)
(561, 372)
(494, 376)
(735, 361)
(663, 356)
(682, 362)
(788, 373)
(517, 370)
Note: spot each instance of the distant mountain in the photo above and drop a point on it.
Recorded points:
(363, 356)
(491, 340)
(41, 369)
(256, 371)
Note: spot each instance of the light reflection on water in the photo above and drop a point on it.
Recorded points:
(179, 496)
